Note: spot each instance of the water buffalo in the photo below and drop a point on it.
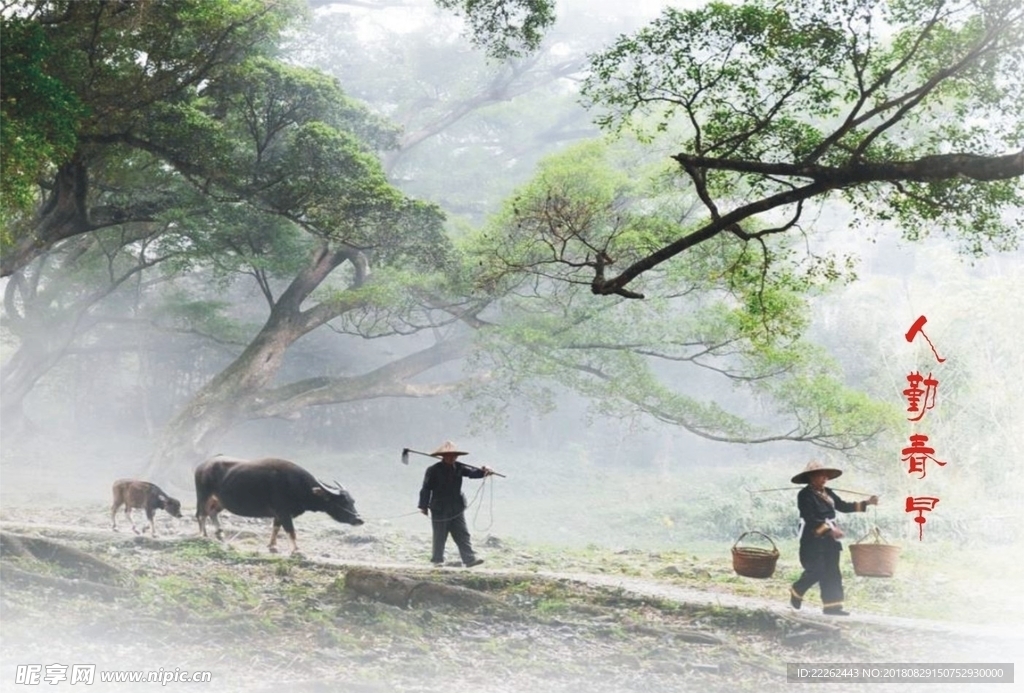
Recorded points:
(132, 494)
(267, 488)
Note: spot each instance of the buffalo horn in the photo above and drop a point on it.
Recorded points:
(327, 487)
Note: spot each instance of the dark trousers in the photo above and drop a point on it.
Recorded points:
(820, 558)
(444, 524)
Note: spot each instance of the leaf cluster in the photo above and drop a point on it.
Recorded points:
(505, 27)
(39, 114)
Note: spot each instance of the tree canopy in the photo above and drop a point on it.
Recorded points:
(908, 111)
(217, 157)
(139, 70)
(187, 147)
(721, 333)
(505, 27)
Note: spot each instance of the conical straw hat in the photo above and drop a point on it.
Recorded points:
(448, 448)
(804, 477)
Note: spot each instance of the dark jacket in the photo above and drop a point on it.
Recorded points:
(442, 487)
(818, 514)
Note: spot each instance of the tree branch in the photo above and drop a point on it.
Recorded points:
(390, 380)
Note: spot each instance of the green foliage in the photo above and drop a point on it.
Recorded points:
(729, 310)
(505, 27)
(207, 156)
(718, 62)
(300, 149)
(39, 114)
(855, 86)
(82, 79)
(568, 212)
(834, 413)
(232, 239)
(726, 517)
(269, 150)
(978, 212)
(269, 95)
(325, 174)
(211, 318)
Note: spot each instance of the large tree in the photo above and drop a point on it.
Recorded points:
(311, 217)
(254, 142)
(241, 163)
(718, 352)
(80, 76)
(908, 111)
(116, 74)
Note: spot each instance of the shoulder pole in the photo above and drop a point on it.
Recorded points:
(407, 451)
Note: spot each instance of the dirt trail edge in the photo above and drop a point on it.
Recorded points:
(637, 586)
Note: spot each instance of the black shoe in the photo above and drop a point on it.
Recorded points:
(835, 611)
(795, 601)
(475, 561)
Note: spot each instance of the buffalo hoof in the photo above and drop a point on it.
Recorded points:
(272, 549)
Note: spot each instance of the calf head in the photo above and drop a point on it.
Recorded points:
(338, 503)
(171, 505)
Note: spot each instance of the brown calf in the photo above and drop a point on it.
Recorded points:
(132, 494)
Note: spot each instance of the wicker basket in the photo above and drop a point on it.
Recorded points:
(751, 561)
(874, 560)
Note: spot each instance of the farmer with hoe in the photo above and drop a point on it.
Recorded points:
(442, 495)
(819, 539)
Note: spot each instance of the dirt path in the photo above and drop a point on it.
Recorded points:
(270, 625)
(637, 586)
(661, 590)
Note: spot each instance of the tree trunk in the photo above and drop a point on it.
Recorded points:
(223, 402)
(242, 390)
(240, 393)
(62, 216)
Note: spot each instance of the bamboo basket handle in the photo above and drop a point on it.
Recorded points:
(774, 547)
(874, 530)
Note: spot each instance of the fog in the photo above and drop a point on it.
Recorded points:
(101, 359)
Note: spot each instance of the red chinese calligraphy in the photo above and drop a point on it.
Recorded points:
(918, 454)
(921, 505)
(917, 327)
(915, 394)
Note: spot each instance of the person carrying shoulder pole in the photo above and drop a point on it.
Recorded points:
(441, 494)
(819, 540)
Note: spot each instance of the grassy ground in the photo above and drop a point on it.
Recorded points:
(261, 622)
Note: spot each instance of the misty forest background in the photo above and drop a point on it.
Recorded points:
(346, 228)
